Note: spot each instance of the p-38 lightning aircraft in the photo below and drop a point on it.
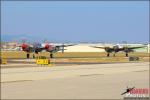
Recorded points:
(114, 49)
(37, 47)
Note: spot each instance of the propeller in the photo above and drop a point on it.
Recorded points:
(63, 47)
(125, 44)
(62, 50)
(46, 44)
(23, 44)
(25, 48)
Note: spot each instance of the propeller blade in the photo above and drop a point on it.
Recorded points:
(63, 48)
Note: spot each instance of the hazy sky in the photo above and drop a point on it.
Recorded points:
(74, 21)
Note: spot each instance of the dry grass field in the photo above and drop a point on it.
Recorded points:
(80, 56)
(21, 54)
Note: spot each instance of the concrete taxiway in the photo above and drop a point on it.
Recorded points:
(95, 81)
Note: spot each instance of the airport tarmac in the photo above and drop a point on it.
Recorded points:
(94, 81)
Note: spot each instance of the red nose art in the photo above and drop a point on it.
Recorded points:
(24, 46)
(46, 46)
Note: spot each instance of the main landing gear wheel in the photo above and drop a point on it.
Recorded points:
(28, 55)
(107, 54)
(51, 55)
(33, 56)
(126, 54)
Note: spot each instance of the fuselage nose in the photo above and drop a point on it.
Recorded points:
(24, 46)
(46, 46)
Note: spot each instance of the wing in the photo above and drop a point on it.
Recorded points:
(136, 47)
(65, 45)
(107, 49)
(42, 48)
(98, 47)
(130, 48)
(69, 45)
(61, 47)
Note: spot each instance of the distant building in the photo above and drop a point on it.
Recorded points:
(8, 45)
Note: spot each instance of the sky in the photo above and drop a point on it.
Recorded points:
(75, 21)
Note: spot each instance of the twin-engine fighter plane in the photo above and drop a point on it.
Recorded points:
(116, 48)
(36, 48)
(29, 48)
(55, 48)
